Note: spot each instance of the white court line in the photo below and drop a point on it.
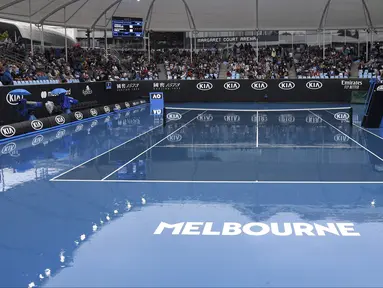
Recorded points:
(259, 110)
(257, 134)
(106, 152)
(260, 145)
(151, 147)
(352, 139)
(360, 127)
(218, 182)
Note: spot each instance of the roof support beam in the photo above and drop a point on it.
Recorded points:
(367, 14)
(56, 10)
(45, 6)
(114, 12)
(324, 15)
(103, 13)
(148, 17)
(75, 12)
(10, 4)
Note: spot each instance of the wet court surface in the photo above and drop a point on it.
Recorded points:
(217, 197)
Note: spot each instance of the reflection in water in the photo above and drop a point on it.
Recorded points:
(47, 223)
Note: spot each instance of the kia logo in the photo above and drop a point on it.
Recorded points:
(93, 112)
(342, 116)
(231, 85)
(314, 85)
(205, 117)
(37, 140)
(204, 86)
(286, 118)
(78, 115)
(232, 118)
(118, 107)
(13, 99)
(7, 131)
(106, 109)
(259, 85)
(79, 127)
(10, 147)
(286, 85)
(60, 119)
(262, 118)
(174, 138)
(60, 133)
(313, 119)
(340, 138)
(37, 125)
(127, 105)
(174, 116)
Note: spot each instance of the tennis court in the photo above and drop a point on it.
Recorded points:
(222, 195)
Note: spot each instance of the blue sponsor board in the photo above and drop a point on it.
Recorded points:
(156, 103)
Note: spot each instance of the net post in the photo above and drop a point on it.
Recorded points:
(351, 116)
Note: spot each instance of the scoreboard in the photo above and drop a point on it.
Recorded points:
(125, 27)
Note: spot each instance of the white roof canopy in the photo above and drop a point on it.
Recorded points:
(201, 15)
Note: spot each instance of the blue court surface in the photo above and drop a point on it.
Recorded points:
(223, 195)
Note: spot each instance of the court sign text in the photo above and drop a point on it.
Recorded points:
(257, 229)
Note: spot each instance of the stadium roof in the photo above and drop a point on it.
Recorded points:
(201, 15)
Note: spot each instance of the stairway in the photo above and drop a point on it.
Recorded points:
(161, 73)
(354, 70)
(222, 71)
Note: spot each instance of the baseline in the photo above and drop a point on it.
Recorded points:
(216, 182)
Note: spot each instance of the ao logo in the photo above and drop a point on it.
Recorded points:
(106, 109)
(37, 140)
(286, 118)
(262, 118)
(79, 127)
(7, 131)
(340, 138)
(8, 148)
(60, 119)
(60, 133)
(259, 85)
(232, 86)
(156, 96)
(13, 99)
(205, 117)
(127, 105)
(94, 123)
(174, 116)
(342, 116)
(286, 85)
(117, 106)
(232, 118)
(78, 115)
(313, 119)
(204, 86)
(174, 138)
(93, 112)
(314, 85)
(37, 125)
